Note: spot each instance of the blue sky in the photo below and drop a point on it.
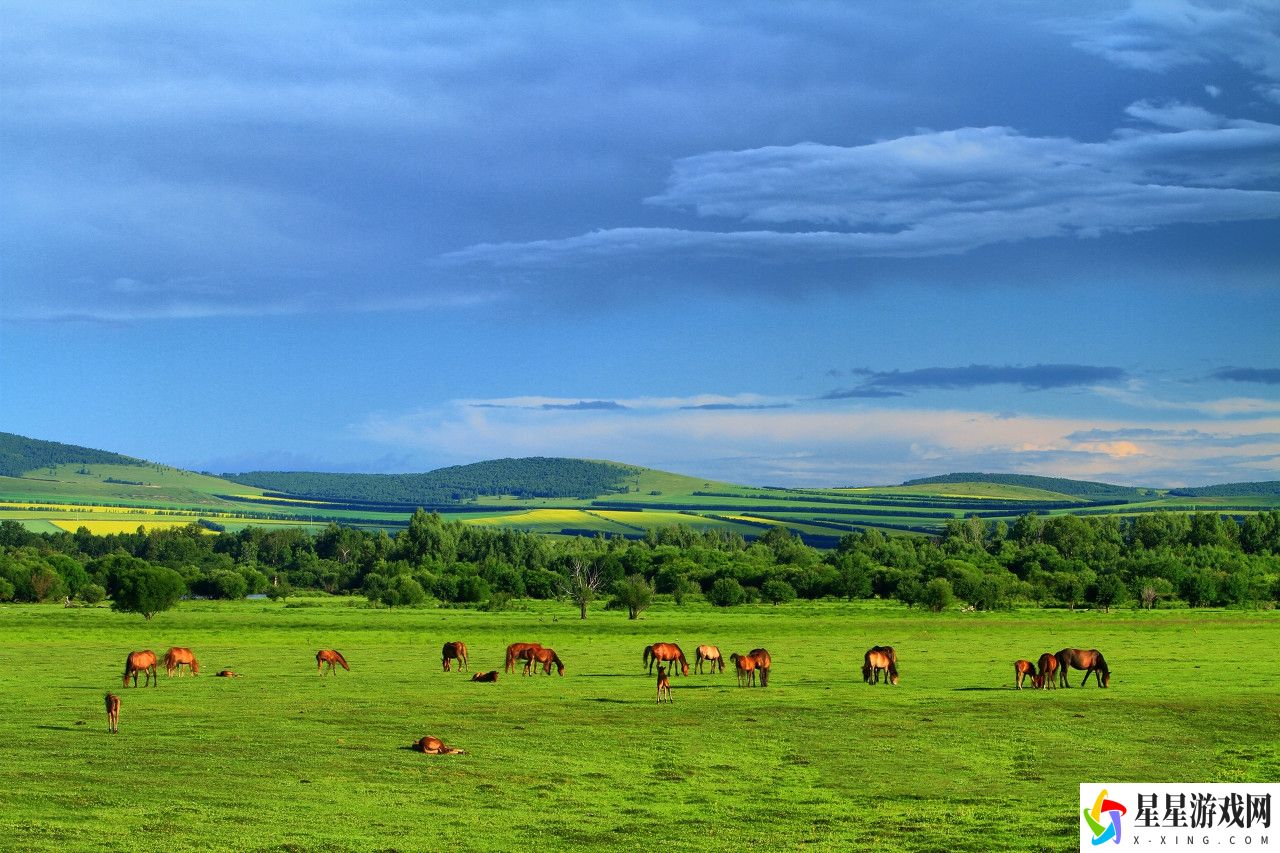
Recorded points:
(793, 244)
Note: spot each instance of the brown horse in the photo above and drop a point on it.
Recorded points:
(226, 673)
(178, 657)
(144, 662)
(454, 651)
(665, 653)
(516, 651)
(1048, 666)
(708, 653)
(1090, 660)
(490, 676)
(1023, 669)
(429, 745)
(746, 669)
(664, 685)
(330, 657)
(880, 659)
(763, 663)
(545, 657)
(113, 712)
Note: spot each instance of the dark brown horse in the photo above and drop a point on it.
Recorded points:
(665, 653)
(113, 712)
(763, 664)
(330, 657)
(491, 675)
(516, 651)
(454, 651)
(226, 673)
(178, 657)
(746, 667)
(880, 659)
(1023, 669)
(664, 685)
(708, 653)
(1090, 660)
(545, 657)
(144, 662)
(1048, 666)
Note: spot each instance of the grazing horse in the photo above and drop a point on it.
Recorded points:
(178, 657)
(490, 676)
(1023, 669)
(1048, 666)
(746, 667)
(429, 745)
(665, 653)
(664, 685)
(516, 651)
(144, 662)
(708, 653)
(878, 659)
(546, 657)
(1090, 660)
(330, 657)
(113, 712)
(763, 664)
(454, 651)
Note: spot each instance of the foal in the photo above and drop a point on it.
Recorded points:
(113, 712)
(664, 684)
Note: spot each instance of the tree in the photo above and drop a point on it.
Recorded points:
(776, 591)
(726, 592)
(148, 590)
(633, 593)
(938, 595)
(582, 584)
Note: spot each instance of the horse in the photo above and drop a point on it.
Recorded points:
(429, 745)
(708, 653)
(763, 664)
(1090, 660)
(178, 657)
(664, 685)
(1048, 666)
(878, 659)
(490, 676)
(226, 673)
(515, 652)
(113, 712)
(546, 657)
(144, 662)
(1023, 669)
(746, 667)
(330, 657)
(665, 653)
(454, 651)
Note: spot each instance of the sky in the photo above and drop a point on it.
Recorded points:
(800, 244)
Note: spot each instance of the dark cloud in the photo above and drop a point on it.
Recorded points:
(860, 393)
(1194, 437)
(584, 405)
(716, 407)
(1261, 375)
(1037, 377)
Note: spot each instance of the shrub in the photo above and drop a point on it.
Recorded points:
(726, 592)
(938, 595)
(632, 594)
(777, 592)
(148, 590)
(92, 593)
(6, 590)
(281, 590)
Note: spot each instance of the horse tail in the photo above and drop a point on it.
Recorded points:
(342, 660)
(648, 653)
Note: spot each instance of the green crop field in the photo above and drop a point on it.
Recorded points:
(284, 759)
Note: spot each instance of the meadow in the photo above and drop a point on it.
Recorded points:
(284, 759)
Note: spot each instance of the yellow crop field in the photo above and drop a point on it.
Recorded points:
(22, 505)
(536, 516)
(102, 527)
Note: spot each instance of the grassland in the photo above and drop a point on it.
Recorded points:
(286, 760)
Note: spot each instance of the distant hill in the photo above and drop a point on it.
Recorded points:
(1074, 488)
(20, 455)
(1265, 489)
(533, 477)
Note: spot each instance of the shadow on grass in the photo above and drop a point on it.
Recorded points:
(971, 689)
(77, 728)
(610, 701)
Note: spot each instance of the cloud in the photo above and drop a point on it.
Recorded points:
(942, 192)
(1039, 377)
(726, 407)
(1265, 376)
(585, 406)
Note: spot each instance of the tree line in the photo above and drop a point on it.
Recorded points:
(1152, 560)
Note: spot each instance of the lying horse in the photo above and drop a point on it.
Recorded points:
(144, 662)
(1090, 660)
(880, 659)
(429, 745)
(226, 673)
(664, 685)
(746, 667)
(545, 657)
(490, 676)
(516, 651)
(113, 712)
(665, 653)
(1023, 669)
(1048, 666)
(763, 663)
(454, 651)
(708, 653)
(330, 657)
(178, 657)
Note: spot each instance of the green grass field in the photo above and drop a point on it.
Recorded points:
(286, 760)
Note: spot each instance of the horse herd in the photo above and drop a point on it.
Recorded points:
(1042, 672)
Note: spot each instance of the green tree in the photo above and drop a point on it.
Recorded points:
(148, 590)
(633, 594)
(726, 592)
(776, 591)
(938, 595)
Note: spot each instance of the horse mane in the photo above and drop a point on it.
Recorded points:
(342, 660)
(1102, 663)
